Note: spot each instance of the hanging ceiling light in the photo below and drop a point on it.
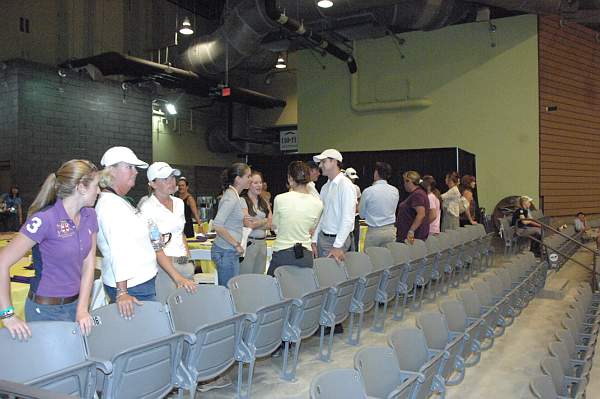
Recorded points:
(325, 3)
(186, 27)
(280, 62)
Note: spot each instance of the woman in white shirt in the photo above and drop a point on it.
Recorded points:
(168, 213)
(295, 217)
(257, 216)
(451, 203)
(124, 237)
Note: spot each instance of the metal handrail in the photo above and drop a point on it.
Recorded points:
(580, 244)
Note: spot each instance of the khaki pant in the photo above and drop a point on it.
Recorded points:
(380, 236)
(255, 259)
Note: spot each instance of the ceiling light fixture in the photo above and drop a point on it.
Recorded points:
(186, 27)
(170, 108)
(325, 3)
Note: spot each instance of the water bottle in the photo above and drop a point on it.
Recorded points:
(155, 236)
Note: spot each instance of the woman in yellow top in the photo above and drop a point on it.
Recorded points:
(295, 216)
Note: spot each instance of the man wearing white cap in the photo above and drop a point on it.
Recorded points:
(332, 235)
(353, 176)
(129, 256)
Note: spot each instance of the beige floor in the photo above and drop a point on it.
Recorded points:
(504, 370)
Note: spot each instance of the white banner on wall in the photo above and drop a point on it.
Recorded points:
(288, 140)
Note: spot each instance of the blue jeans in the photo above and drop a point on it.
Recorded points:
(37, 312)
(142, 292)
(227, 261)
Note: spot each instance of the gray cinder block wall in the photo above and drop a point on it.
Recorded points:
(46, 119)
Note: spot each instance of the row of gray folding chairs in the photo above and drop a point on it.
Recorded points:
(567, 369)
(426, 359)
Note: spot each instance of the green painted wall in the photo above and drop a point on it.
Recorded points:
(485, 100)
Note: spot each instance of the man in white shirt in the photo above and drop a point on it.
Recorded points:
(378, 207)
(314, 176)
(332, 235)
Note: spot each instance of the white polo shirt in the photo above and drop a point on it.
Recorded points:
(168, 222)
(124, 240)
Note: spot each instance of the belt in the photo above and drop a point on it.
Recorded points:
(50, 300)
(379, 227)
(329, 235)
(180, 260)
(256, 238)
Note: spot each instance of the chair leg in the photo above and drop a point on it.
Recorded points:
(290, 375)
(379, 317)
(325, 356)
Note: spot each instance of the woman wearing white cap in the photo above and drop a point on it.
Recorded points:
(129, 265)
(168, 213)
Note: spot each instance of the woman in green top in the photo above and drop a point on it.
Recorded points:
(295, 216)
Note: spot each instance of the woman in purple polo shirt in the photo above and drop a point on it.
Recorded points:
(61, 232)
(411, 215)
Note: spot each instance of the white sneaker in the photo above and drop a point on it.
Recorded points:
(219, 382)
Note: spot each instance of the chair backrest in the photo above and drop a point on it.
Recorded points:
(295, 282)
(250, 292)
(542, 387)
(358, 264)
(433, 245)
(300, 283)
(417, 250)
(209, 314)
(551, 367)
(379, 369)
(400, 252)
(410, 346)
(149, 323)
(54, 346)
(329, 273)
(455, 314)
(570, 324)
(560, 351)
(435, 329)
(496, 285)
(337, 384)
(209, 304)
(566, 338)
(471, 302)
(144, 350)
(484, 292)
(381, 258)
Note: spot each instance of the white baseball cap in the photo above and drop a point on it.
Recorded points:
(161, 170)
(351, 173)
(115, 155)
(329, 153)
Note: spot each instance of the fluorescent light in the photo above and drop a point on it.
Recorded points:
(186, 27)
(325, 3)
(171, 110)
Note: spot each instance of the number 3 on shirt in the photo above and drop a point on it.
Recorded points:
(34, 226)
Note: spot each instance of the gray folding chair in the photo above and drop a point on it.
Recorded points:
(566, 386)
(542, 387)
(372, 283)
(300, 283)
(53, 359)
(396, 273)
(401, 255)
(459, 322)
(502, 302)
(331, 274)
(484, 293)
(209, 315)
(576, 352)
(337, 384)
(381, 374)
(413, 355)
(144, 351)
(579, 336)
(475, 311)
(570, 367)
(276, 320)
(422, 266)
(435, 328)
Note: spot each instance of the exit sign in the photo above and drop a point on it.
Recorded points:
(288, 140)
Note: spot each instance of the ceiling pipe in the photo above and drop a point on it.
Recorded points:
(298, 28)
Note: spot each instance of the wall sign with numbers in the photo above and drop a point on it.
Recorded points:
(288, 140)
